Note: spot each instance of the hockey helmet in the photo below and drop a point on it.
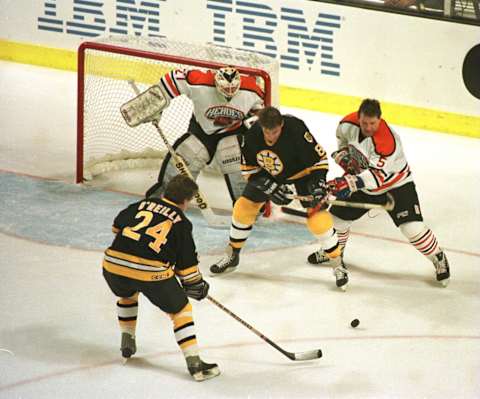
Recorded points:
(227, 81)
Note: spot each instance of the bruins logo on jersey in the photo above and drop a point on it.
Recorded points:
(308, 137)
(270, 161)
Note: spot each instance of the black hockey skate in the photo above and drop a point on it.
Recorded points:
(228, 263)
(317, 257)
(442, 268)
(128, 347)
(201, 371)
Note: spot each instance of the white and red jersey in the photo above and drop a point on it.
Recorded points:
(383, 153)
(214, 112)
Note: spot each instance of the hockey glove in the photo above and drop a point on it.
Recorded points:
(198, 290)
(318, 189)
(344, 159)
(343, 187)
(250, 121)
(280, 194)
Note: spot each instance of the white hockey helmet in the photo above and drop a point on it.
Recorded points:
(227, 81)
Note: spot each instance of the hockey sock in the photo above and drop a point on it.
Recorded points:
(127, 310)
(184, 330)
(343, 238)
(422, 238)
(243, 217)
(239, 234)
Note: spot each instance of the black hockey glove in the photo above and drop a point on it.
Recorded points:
(318, 189)
(198, 290)
(280, 194)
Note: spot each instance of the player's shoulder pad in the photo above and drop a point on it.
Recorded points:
(295, 122)
(384, 140)
(249, 83)
(196, 77)
(351, 118)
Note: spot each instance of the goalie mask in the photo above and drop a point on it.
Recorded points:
(227, 81)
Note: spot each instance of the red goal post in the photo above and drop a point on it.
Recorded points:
(106, 69)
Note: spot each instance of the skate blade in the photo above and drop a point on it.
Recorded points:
(227, 271)
(444, 283)
(206, 375)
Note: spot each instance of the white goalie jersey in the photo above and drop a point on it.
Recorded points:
(214, 113)
(383, 153)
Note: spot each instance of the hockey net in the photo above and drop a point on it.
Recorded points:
(110, 68)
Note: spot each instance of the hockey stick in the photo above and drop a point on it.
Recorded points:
(214, 221)
(388, 206)
(308, 355)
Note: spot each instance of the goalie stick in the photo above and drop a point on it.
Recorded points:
(214, 221)
(308, 355)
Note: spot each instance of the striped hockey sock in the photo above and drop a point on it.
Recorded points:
(127, 310)
(184, 330)
(426, 243)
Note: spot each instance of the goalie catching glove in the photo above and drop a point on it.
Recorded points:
(280, 194)
(343, 187)
(198, 290)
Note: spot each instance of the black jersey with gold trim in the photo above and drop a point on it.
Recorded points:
(295, 154)
(153, 242)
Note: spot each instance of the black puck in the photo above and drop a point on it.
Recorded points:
(354, 323)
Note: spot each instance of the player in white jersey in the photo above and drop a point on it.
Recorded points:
(222, 100)
(371, 154)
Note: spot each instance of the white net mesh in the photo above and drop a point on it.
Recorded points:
(111, 65)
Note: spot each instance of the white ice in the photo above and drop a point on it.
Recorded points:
(58, 331)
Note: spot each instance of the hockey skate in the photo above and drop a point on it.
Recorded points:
(442, 268)
(201, 371)
(317, 257)
(340, 272)
(228, 263)
(128, 347)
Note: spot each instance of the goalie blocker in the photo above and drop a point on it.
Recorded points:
(146, 107)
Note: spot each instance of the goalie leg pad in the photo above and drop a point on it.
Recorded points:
(192, 151)
(228, 155)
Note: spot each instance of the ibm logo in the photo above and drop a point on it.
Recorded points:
(260, 24)
(144, 15)
(283, 34)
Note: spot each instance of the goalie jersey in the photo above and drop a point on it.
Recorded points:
(153, 242)
(382, 154)
(213, 112)
(296, 153)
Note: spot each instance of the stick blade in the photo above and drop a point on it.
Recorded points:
(308, 355)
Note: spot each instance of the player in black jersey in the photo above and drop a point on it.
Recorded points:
(277, 151)
(152, 251)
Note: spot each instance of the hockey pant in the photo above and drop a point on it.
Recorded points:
(197, 157)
